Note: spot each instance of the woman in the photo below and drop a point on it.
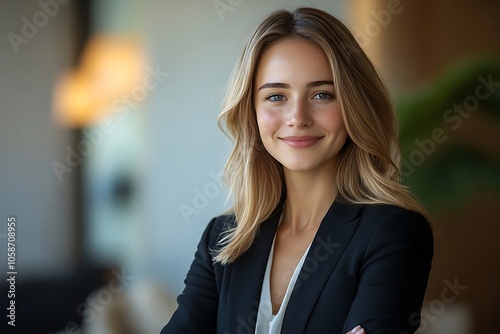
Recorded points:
(322, 237)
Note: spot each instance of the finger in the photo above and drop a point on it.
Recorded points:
(354, 330)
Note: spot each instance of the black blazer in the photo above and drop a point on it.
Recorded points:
(368, 265)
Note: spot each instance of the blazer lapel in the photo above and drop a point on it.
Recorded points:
(246, 279)
(333, 236)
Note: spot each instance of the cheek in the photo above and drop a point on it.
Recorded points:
(268, 121)
(335, 121)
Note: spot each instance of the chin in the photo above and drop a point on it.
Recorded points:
(305, 164)
(299, 167)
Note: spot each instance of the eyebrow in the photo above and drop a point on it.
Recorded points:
(284, 85)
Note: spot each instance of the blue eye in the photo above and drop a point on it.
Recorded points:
(275, 97)
(323, 96)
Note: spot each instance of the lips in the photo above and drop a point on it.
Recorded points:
(300, 141)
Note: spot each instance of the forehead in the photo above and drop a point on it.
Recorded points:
(293, 60)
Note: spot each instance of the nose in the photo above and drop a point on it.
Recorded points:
(299, 116)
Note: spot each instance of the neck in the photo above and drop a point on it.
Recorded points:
(309, 195)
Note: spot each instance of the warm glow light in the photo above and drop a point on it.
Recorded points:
(73, 102)
(113, 65)
(110, 66)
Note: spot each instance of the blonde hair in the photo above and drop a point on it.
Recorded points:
(368, 165)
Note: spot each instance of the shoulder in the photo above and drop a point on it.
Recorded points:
(216, 229)
(377, 216)
(387, 210)
(392, 225)
(384, 223)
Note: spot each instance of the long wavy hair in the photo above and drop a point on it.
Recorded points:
(368, 164)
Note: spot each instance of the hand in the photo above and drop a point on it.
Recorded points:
(357, 330)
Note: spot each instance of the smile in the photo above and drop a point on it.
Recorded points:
(300, 141)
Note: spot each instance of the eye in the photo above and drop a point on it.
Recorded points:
(324, 96)
(275, 98)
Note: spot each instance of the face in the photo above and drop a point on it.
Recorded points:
(299, 119)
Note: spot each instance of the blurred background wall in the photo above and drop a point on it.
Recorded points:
(110, 152)
(30, 141)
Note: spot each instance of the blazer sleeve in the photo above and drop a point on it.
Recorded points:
(393, 277)
(198, 303)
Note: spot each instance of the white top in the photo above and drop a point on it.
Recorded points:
(267, 322)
